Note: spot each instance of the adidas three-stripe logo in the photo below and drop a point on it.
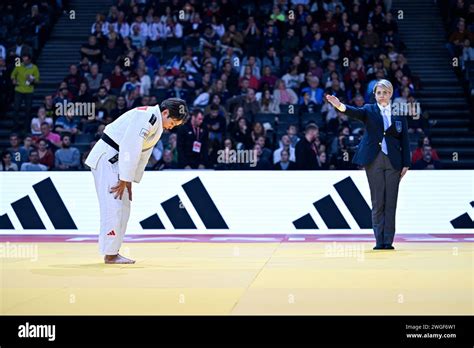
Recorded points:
(331, 214)
(28, 216)
(463, 221)
(179, 216)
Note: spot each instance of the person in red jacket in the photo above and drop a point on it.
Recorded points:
(418, 153)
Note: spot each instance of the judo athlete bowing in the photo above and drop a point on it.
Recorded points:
(120, 157)
(384, 152)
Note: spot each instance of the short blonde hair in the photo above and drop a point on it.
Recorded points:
(384, 84)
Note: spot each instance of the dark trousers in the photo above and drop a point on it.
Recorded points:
(383, 182)
(19, 97)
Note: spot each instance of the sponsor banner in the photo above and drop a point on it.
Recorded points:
(237, 202)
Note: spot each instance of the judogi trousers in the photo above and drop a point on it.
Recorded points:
(384, 181)
(114, 213)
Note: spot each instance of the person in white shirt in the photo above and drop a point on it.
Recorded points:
(123, 152)
(37, 121)
(122, 27)
(142, 25)
(156, 29)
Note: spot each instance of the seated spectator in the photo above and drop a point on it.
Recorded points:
(172, 29)
(166, 162)
(38, 120)
(314, 70)
(283, 95)
(285, 145)
(34, 164)
(317, 44)
(94, 78)
(215, 124)
(162, 81)
(67, 157)
(178, 90)
(315, 92)
(418, 152)
(68, 123)
(192, 143)
(290, 43)
(467, 53)
(215, 99)
(27, 144)
(110, 56)
(252, 79)
(271, 60)
(241, 134)
(257, 130)
(267, 79)
(117, 79)
(247, 101)
(6, 163)
(136, 37)
(292, 79)
(416, 121)
(74, 79)
(457, 38)
(232, 37)
(285, 163)
(104, 102)
(292, 132)
(267, 103)
(263, 163)
(370, 42)
(120, 108)
(323, 162)
(91, 50)
(83, 96)
(219, 88)
(331, 50)
(427, 161)
(132, 83)
(255, 66)
(46, 133)
(19, 154)
(266, 152)
(46, 156)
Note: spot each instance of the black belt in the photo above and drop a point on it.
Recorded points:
(108, 140)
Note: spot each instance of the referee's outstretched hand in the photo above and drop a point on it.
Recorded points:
(333, 100)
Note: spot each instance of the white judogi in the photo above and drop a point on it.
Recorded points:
(136, 132)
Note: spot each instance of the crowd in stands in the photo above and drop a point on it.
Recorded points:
(255, 76)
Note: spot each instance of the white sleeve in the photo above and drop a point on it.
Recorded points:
(178, 31)
(132, 144)
(144, 158)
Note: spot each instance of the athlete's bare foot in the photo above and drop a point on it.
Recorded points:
(117, 259)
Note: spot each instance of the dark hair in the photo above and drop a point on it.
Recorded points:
(421, 139)
(177, 108)
(63, 135)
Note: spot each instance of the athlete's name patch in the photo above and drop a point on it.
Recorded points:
(152, 119)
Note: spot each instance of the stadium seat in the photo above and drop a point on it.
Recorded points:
(311, 117)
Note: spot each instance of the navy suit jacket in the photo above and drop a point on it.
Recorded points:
(396, 136)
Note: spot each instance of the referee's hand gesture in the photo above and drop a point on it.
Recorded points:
(333, 100)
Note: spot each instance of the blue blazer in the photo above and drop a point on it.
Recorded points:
(396, 136)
